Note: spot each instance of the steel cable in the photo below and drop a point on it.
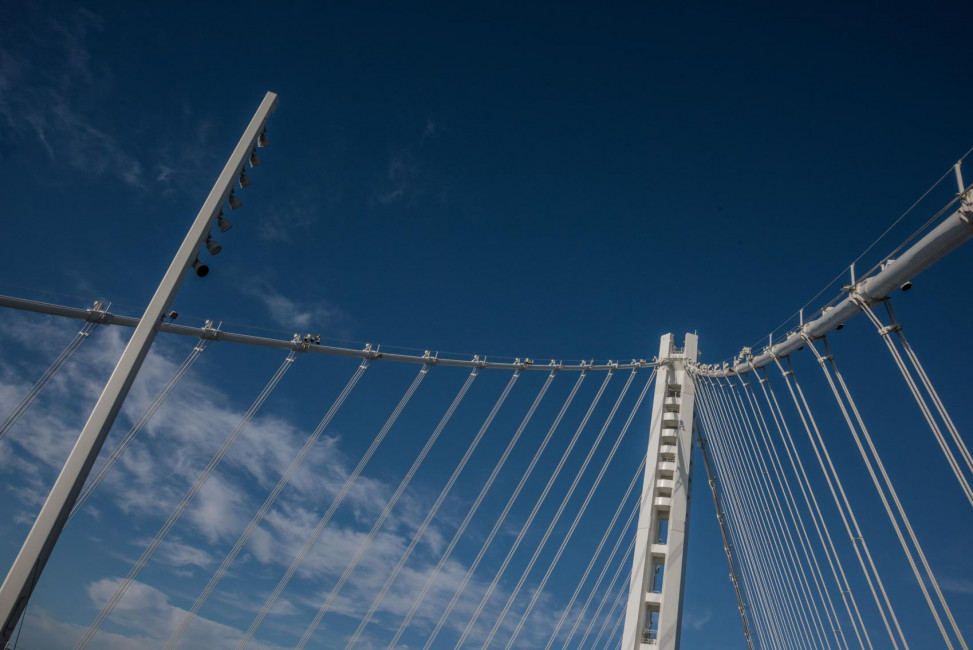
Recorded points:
(42, 382)
(566, 537)
(608, 592)
(927, 382)
(315, 534)
(787, 549)
(817, 517)
(505, 512)
(533, 514)
(795, 516)
(125, 442)
(270, 500)
(921, 402)
(611, 524)
(434, 510)
(751, 524)
(387, 511)
(184, 503)
(767, 617)
(471, 511)
(767, 601)
(887, 481)
(844, 508)
(604, 569)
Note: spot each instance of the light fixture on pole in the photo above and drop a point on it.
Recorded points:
(223, 223)
(262, 140)
(244, 179)
(254, 160)
(213, 246)
(28, 566)
(234, 201)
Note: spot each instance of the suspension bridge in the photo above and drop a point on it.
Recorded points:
(544, 440)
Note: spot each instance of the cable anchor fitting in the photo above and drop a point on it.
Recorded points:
(888, 329)
(210, 332)
(98, 313)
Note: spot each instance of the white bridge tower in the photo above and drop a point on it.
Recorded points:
(653, 616)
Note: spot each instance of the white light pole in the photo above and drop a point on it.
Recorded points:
(26, 569)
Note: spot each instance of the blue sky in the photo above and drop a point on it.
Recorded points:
(547, 181)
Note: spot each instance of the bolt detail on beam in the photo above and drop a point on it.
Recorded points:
(653, 615)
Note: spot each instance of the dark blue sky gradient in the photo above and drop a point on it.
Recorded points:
(542, 180)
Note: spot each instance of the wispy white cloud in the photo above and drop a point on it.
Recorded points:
(299, 315)
(159, 467)
(44, 100)
(697, 620)
(181, 159)
(403, 172)
(286, 224)
(401, 175)
(147, 612)
(957, 585)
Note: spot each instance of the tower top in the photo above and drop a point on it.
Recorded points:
(669, 350)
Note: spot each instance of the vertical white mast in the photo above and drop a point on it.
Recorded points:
(653, 615)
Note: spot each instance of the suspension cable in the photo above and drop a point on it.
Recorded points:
(769, 618)
(940, 407)
(787, 549)
(181, 507)
(124, 444)
(817, 517)
(825, 362)
(618, 512)
(777, 625)
(796, 517)
(618, 599)
(745, 518)
(434, 510)
(471, 511)
(46, 378)
(610, 589)
(363, 547)
(315, 534)
(633, 511)
(848, 518)
(506, 510)
(566, 537)
(724, 533)
(757, 506)
(618, 620)
(535, 510)
(271, 499)
(884, 331)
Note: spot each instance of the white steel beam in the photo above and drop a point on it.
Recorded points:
(954, 231)
(301, 344)
(43, 535)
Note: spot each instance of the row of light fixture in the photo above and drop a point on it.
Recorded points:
(224, 224)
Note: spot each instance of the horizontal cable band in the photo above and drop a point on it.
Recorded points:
(301, 345)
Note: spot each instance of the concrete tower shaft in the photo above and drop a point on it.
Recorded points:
(653, 615)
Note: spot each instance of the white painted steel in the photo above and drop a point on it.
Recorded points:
(727, 547)
(679, 472)
(37, 548)
(949, 235)
(371, 353)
